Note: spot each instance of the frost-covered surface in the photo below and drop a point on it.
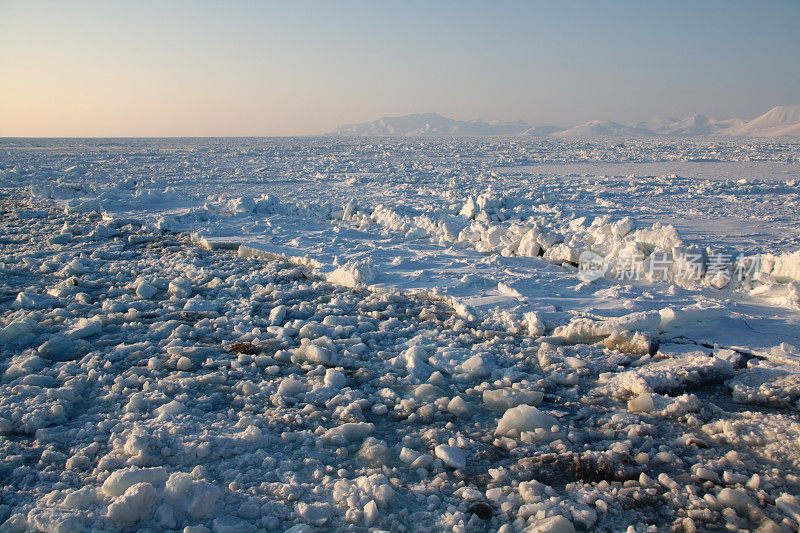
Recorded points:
(246, 335)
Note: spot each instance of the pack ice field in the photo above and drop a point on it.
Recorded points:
(423, 334)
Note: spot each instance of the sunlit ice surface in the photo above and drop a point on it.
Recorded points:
(411, 324)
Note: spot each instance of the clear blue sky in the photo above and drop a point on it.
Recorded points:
(105, 68)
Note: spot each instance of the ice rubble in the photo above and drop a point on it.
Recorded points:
(246, 392)
(767, 383)
(480, 225)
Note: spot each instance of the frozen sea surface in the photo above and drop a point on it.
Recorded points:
(259, 334)
(742, 194)
(446, 217)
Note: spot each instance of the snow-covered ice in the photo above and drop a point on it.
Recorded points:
(505, 334)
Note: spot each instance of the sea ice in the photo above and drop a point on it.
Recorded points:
(526, 418)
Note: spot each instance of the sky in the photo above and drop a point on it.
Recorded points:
(259, 68)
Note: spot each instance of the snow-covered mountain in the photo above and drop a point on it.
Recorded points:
(542, 131)
(603, 128)
(655, 123)
(431, 124)
(781, 121)
(695, 125)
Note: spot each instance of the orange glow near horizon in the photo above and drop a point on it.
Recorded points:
(89, 68)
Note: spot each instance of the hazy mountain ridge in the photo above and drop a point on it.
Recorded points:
(431, 124)
(780, 121)
(603, 128)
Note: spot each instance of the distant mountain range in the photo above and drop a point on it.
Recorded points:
(780, 121)
(432, 124)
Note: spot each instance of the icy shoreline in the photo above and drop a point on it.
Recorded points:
(125, 404)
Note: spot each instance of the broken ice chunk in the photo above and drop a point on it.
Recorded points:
(316, 514)
(525, 418)
(642, 403)
(291, 387)
(121, 480)
(415, 358)
(180, 288)
(134, 504)
(503, 399)
(628, 342)
(452, 456)
(85, 327)
(478, 365)
(347, 433)
(554, 524)
(334, 378)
